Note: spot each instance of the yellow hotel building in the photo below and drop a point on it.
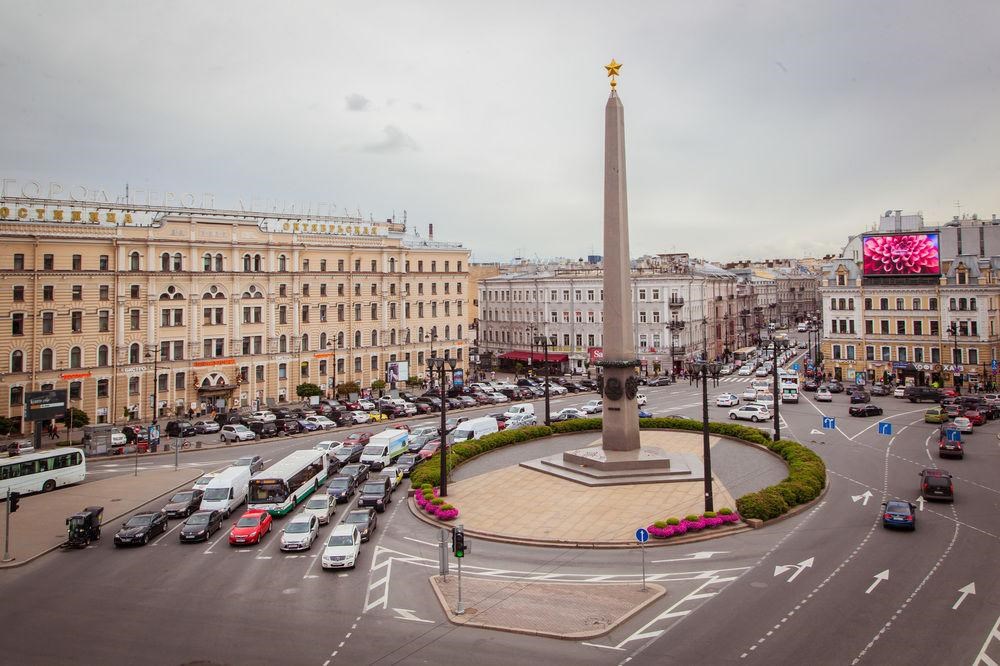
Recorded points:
(219, 308)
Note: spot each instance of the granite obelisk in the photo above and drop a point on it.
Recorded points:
(619, 387)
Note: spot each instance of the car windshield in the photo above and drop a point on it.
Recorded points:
(340, 482)
(340, 540)
(248, 521)
(139, 521)
(215, 494)
(430, 446)
(182, 497)
(373, 488)
(297, 527)
(406, 460)
(374, 450)
(243, 462)
(355, 518)
(897, 507)
(198, 519)
(317, 503)
(204, 481)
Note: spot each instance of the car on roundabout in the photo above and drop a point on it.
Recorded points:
(200, 526)
(899, 513)
(752, 413)
(357, 471)
(255, 463)
(963, 425)
(641, 399)
(810, 385)
(250, 528)
(322, 506)
(824, 395)
(299, 533)
(593, 407)
(408, 462)
(865, 410)
(950, 443)
(358, 438)
(140, 528)
(568, 413)
(859, 396)
(342, 548)
(727, 400)
(749, 394)
(935, 415)
(762, 371)
(643, 414)
(745, 371)
(341, 487)
(977, 417)
(899, 392)
(659, 381)
(183, 504)
(835, 386)
(364, 519)
(765, 398)
(936, 484)
(394, 474)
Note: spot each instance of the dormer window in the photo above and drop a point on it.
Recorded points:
(962, 276)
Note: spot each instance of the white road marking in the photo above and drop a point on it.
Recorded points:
(164, 535)
(405, 614)
(426, 543)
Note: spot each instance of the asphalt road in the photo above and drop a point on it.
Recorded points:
(808, 590)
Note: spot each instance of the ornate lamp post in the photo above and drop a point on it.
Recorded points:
(956, 378)
(705, 367)
(439, 365)
(776, 347)
(544, 342)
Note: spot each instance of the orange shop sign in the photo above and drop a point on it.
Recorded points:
(214, 362)
(76, 375)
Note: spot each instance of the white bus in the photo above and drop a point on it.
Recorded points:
(287, 482)
(42, 472)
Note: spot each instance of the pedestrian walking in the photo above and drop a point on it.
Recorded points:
(53, 431)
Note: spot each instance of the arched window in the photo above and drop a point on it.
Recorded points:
(305, 342)
(133, 353)
(447, 332)
(458, 334)
(164, 262)
(833, 303)
(246, 263)
(206, 263)
(283, 344)
(102, 356)
(46, 359)
(407, 336)
(17, 361)
(322, 341)
(282, 263)
(392, 264)
(392, 336)
(434, 333)
(850, 305)
(340, 340)
(178, 261)
(841, 304)
(74, 357)
(374, 311)
(357, 339)
(257, 265)
(253, 292)
(962, 304)
(952, 304)
(213, 293)
(420, 334)
(972, 304)
(133, 261)
(374, 338)
(218, 263)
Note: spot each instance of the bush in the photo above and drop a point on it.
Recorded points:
(673, 521)
(660, 524)
(709, 514)
(764, 504)
(725, 511)
(437, 501)
(691, 517)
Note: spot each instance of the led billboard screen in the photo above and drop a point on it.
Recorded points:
(397, 371)
(901, 254)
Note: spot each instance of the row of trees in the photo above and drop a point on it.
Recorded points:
(308, 390)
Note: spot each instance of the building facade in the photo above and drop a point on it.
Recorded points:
(215, 309)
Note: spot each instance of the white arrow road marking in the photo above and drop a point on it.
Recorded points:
(966, 591)
(920, 502)
(866, 496)
(704, 555)
(782, 568)
(816, 432)
(879, 577)
(405, 614)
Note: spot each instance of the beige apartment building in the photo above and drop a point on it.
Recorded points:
(215, 309)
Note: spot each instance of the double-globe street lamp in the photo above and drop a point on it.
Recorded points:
(544, 342)
(439, 364)
(776, 347)
(705, 367)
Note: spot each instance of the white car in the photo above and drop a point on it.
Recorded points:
(593, 407)
(765, 399)
(568, 413)
(899, 392)
(824, 395)
(745, 370)
(322, 422)
(750, 393)
(236, 433)
(762, 371)
(300, 532)
(320, 505)
(366, 405)
(753, 413)
(394, 474)
(328, 445)
(727, 369)
(265, 416)
(520, 421)
(498, 397)
(727, 400)
(206, 426)
(342, 548)
(962, 424)
(361, 417)
(640, 399)
(556, 389)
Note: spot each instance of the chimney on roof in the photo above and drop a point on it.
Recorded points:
(430, 231)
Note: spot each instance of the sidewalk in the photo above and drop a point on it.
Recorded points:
(39, 526)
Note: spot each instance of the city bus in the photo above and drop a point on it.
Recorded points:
(43, 471)
(287, 482)
(741, 356)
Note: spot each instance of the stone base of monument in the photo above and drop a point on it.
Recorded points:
(594, 466)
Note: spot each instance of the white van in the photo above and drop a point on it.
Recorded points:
(227, 490)
(382, 449)
(520, 408)
(473, 429)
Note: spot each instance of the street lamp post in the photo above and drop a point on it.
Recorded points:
(953, 331)
(530, 331)
(704, 367)
(433, 337)
(544, 342)
(152, 352)
(439, 365)
(776, 347)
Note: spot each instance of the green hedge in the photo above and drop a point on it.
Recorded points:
(806, 470)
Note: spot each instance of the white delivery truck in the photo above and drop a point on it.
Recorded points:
(382, 449)
(227, 490)
(473, 429)
(520, 408)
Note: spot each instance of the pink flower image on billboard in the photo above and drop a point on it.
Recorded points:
(902, 254)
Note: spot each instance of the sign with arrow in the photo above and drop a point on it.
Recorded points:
(783, 568)
(879, 577)
(884, 428)
(866, 496)
(966, 591)
(829, 423)
(953, 435)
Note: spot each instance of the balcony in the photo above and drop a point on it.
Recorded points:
(676, 302)
(675, 325)
(678, 350)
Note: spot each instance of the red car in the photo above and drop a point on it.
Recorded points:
(430, 448)
(977, 417)
(250, 528)
(948, 392)
(358, 438)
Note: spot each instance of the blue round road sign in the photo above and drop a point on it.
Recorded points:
(642, 535)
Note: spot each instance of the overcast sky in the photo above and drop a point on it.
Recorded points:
(754, 129)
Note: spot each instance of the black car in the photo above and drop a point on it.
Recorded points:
(255, 463)
(408, 462)
(376, 493)
(333, 465)
(228, 418)
(364, 519)
(835, 387)
(810, 385)
(263, 429)
(281, 413)
(180, 429)
(349, 453)
(935, 484)
(921, 393)
(860, 396)
(288, 426)
(865, 410)
(140, 528)
(200, 526)
(357, 471)
(341, 488)
(655, 381)
(183, 504)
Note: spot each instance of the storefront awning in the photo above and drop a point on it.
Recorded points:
(216, 390)
(536, 357)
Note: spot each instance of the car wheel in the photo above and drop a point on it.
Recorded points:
(145, 539)
(732, 417)
(754, 418)
(222, 438)
(49, 486)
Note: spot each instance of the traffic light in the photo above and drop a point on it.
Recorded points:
(14, 499)
(458, 541)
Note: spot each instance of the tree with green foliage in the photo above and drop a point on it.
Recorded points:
(348, 388)
(80, 418)
(308, 390)
(378, 385)
(413, 381)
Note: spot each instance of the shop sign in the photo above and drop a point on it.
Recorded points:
(214, 362)
(37, 212)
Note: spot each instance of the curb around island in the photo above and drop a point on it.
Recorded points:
(106, 521)
(467, 620)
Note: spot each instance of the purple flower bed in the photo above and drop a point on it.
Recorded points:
(694, 525)
(686, 526)
(714, 521)
(661, 532)
(447, 514)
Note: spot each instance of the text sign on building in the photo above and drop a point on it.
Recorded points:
(73, 214)
(45, 405)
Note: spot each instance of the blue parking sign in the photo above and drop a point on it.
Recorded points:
(884, 428)
(829, 423)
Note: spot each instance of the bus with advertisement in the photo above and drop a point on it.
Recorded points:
(741, 356)
(280, 487)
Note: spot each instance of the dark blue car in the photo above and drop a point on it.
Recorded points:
(307, 426)
(897, 513)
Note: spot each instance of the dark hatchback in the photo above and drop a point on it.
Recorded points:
(364, 519)
(357, 471)
(376, 493)
(865, 410)
(263, 429)
(950, 443)
(201, 526)
(936, 484)
(349, 453)
(408, 462)
(140, 528)
(897, 513)
(341, 488)
(183, 504)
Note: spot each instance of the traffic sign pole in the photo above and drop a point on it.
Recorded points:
(642, 536)
(6, 537)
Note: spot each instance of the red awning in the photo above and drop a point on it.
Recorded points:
(536, 357)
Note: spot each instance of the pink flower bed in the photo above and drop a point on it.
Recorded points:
(447, 514)
(434, 509)
(686, 526)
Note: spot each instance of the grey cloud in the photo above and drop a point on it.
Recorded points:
(394, 141)
(357, 102)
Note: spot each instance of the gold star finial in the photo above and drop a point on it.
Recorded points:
(613, 68)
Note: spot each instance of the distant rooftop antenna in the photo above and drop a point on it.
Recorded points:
(958, 205)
